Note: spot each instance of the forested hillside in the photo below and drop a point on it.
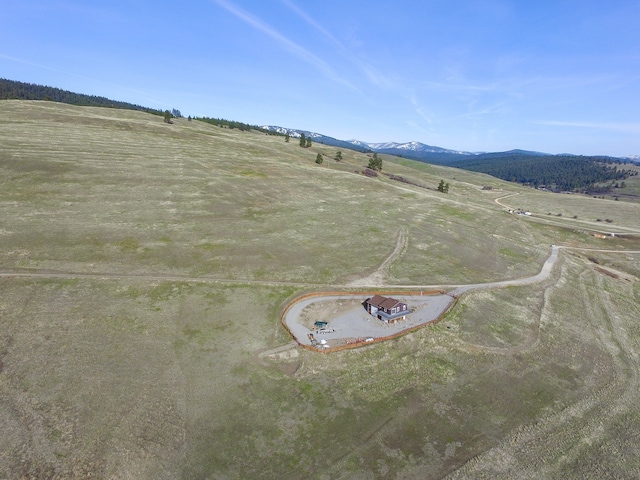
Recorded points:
(588, 174)
(555, 172)
(11, 89)
(221, 122)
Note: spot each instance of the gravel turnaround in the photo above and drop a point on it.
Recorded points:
(357, 323)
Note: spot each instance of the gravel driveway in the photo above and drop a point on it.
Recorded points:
(358, 324)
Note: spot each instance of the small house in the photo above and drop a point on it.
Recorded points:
(386, 309)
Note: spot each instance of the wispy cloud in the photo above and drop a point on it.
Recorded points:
(626, 83)
(43, 67)
(419, 128)
(286, 43)
(419, 109)
(616, 126)
(311, 21)
(498, 108)
(81, 77)
(370, 73)
(468, 88)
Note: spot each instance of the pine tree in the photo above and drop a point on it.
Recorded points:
(319, 159)
(375, 162)
(303, 140)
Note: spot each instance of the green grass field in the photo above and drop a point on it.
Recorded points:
(144, 268)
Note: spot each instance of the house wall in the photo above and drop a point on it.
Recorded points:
(400, 308)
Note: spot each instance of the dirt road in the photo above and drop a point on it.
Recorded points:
(594, 437)
(357, 323)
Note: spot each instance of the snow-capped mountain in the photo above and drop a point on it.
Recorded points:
(416, 147)
(414, 150)
(282, 130)
(316, 137)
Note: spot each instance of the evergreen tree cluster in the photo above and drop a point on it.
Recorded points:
(11, 89)
(555, 172)
(305, 142)
(375, 163)
(232, 124)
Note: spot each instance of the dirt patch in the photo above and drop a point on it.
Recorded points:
(607, 272)
(378, 277)
(325, 311)
(289, 368)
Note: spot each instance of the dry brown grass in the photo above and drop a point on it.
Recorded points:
(159, 375)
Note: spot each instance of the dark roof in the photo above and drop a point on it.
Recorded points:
(386, 303)
(376, 300)
(389, 303)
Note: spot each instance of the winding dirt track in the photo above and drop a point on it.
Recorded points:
(558, 442)
(156, 277)
(576, 223)
(375, 280)
(299, 333)
(378, 277)
(569, 439)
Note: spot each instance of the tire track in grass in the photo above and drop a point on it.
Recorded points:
(338, 467)
(549, 447)
(377, 278)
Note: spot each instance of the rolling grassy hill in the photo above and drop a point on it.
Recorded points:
(144, 267)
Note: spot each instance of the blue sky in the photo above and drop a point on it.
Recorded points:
(478, 75)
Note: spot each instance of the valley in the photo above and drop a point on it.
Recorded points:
(145, 266)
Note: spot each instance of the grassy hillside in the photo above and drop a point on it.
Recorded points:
(123, 191)
(11, 89)
(144, 267)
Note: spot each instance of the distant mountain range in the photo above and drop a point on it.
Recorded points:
(413, 150)
(12, 89)
(566, 172)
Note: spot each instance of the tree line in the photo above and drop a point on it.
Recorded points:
(557, 172)
(232, 124)
(11, 89)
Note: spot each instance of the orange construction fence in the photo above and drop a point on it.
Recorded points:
(358, 294)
